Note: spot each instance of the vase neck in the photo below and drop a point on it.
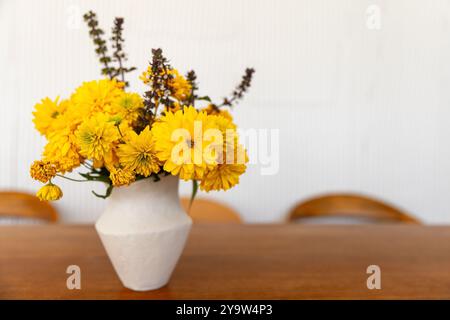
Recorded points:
(165, 188)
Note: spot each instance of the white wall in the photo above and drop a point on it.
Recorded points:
(358, 109)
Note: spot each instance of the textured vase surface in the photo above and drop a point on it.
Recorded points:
(144, 230)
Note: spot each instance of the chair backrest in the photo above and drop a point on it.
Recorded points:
(349, 205)
(24, 205)
(209, 211)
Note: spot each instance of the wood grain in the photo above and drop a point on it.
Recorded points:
(238, 262)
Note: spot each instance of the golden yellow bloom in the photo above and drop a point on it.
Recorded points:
(224, 123)
(222, 177)
(138, 153)
(121, 177)
(42, 171)
(49, 192)
(62, 150)
(96, 96)
(46, 112)
(180, 86)
(181, 142)
(128, 107)
(145, 75)
(225, 175)
(230, 137)
(96, 138)
(212, 110)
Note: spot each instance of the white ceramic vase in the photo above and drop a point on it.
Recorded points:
(144, 230)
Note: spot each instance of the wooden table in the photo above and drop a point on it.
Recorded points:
(238, 262)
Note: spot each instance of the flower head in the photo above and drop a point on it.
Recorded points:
(181, 142)
(121, 177)
(138, 153)
(96, 96)
(42, 171)
(181, 88)
(46, 112)
(96, 138)
(49, 192)
(225, 175)
(62, 150)
(128, 107)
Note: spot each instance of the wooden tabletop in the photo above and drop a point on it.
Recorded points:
(238, 262)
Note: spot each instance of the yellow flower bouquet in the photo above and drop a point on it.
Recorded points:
(143, 145)
(120, 136)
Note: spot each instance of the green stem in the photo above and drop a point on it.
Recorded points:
(120, 132)
(76, 180)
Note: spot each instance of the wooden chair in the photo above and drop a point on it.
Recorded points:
(24, 205)
(209, 211)
(349, 206)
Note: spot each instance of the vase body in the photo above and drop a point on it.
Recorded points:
(144, 230)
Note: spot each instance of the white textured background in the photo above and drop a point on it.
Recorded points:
(358, 109)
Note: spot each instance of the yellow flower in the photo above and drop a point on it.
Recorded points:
(42, 171)
(46, 112)
(230, 138)
(49, 192)
(213, 110)
(96, 96)
(96, 138)
(222, 177)
(138, 153)
(225, 175)
(180, 86)
(224, 123)
(121, 177)
(62, 150)
(181, 142)
(128, 107)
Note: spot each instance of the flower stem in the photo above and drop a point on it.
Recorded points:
(76, 180)
(120, 132)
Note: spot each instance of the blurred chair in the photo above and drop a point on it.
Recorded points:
(24, 208)
(348, 208)
(209, 211)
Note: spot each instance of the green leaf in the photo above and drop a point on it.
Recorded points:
(194, 193)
